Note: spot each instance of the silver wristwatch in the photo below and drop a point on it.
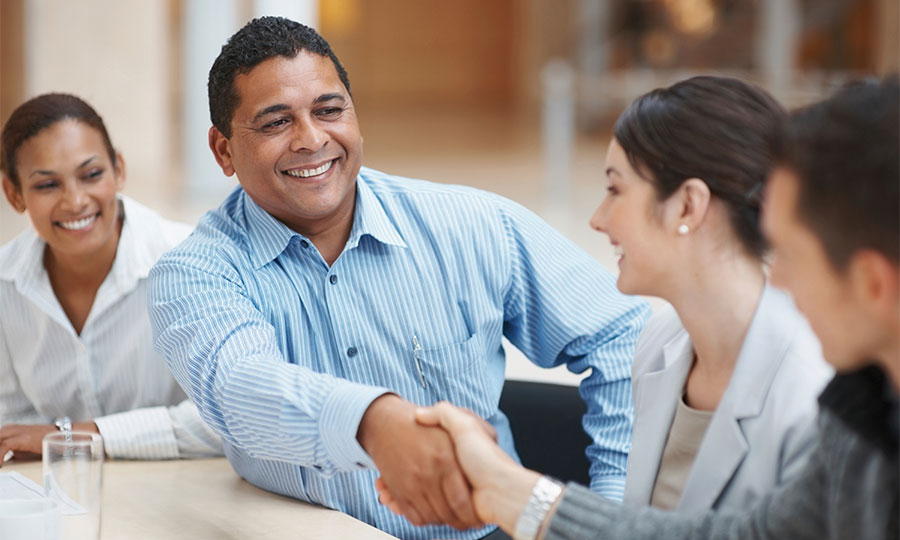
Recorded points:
(544, 494)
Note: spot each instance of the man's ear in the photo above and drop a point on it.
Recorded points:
(13, 195)
(691, 204)
(119, 170)
(876, 285)
(221, 149)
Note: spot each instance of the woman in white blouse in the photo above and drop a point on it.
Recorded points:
(75, 339)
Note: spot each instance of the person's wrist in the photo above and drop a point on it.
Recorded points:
(502, 496)
(88, 426)
(380, 412)
(543, 497)
(545, 526)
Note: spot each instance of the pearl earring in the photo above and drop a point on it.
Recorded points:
(683, 229)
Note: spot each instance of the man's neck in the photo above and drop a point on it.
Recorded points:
(890, 363)
(329, 235)
(331, 242)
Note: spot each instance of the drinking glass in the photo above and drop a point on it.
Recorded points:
(73, 475)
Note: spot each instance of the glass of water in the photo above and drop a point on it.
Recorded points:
(73, 476)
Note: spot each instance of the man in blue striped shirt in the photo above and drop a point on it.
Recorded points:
(321, 302)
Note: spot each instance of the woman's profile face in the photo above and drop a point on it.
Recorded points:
(629, 216)
(68, 186)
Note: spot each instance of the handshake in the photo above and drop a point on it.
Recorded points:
(441, 464)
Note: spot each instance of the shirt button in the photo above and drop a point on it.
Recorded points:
(332, 279)
(351, 352)
(317, 467)
(304, 244)
(360, 465)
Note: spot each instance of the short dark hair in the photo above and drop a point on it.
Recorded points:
(721, 130)
(844, 153)
(39, 113)
(259, 40)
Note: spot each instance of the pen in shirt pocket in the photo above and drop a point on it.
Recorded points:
(417, 350)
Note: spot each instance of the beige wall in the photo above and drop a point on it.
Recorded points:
(425, 51)
(115, 55)
(888, 14)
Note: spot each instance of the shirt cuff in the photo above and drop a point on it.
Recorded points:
(611, 487)
(138, 434)
(339, 422)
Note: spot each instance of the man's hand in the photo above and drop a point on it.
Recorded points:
(417, 465)
(25, 440)
(501, 486)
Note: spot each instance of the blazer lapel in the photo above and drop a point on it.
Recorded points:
(657, 394)
(724, 444)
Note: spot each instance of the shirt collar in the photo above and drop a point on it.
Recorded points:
(23, 257)
(25, 264)
(371, 219)
(268, 237)
(134, 259)
(27, 259)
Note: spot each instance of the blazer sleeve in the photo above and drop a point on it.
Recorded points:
(794, 511)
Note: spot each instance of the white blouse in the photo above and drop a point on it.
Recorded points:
(110, 373)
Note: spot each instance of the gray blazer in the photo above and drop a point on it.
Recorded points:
(764, 426)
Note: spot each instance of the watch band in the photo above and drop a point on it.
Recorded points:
(64, 424)
(544, 494)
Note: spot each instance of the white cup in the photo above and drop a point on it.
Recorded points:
(30, 519)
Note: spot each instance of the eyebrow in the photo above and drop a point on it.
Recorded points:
(269, 110)
(48, 172)
(330, 97)
(610, 170)
(85, 162)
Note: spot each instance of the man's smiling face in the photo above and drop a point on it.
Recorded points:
(295, 144)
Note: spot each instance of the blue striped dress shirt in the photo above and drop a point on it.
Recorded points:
(283, 354)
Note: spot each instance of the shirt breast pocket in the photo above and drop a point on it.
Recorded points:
(457, 373)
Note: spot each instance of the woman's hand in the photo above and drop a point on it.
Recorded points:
(500, 486)
(26, 440)
(23, 439)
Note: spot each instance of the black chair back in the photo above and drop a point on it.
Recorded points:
(546, 424)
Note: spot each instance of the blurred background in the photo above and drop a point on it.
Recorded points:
(512, 96)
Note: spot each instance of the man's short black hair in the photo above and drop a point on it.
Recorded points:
(259, 40)
(845, 155)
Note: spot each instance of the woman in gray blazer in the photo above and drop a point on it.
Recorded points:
(725, 378)
(760, 431)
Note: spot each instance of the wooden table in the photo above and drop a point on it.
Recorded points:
(204, 498)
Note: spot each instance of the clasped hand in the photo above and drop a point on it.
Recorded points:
(495, 484)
